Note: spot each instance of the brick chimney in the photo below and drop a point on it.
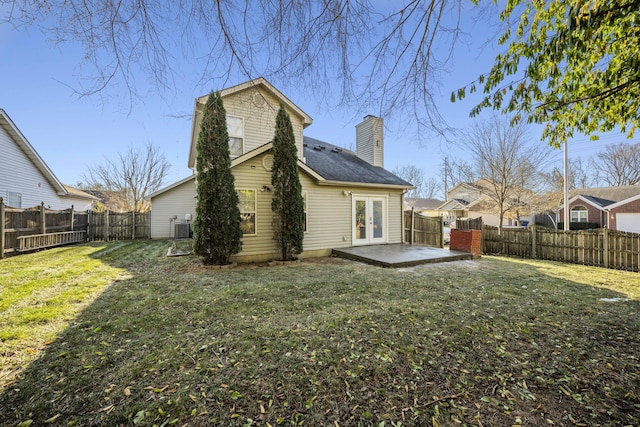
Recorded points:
(370, 140)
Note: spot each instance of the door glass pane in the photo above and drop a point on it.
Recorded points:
(378, 219)
(361, 219)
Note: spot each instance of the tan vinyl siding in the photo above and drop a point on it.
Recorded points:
(258, 108)
(329, 212)
(370, 140)
(259, 111)
(178, 201)
(19, 175)
(251, 175)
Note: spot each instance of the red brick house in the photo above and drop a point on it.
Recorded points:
(616, 208)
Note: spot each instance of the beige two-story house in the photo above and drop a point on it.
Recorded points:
(349, 198)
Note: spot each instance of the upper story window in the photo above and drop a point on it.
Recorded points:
(579, 214)
(235, 128)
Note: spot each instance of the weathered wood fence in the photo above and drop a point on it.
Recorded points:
(422, 230)
(38, 227)
(602, 247)
(469, 223)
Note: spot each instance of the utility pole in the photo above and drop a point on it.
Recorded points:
(446, 176)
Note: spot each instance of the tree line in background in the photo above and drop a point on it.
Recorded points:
(497, 145)
(122, 183)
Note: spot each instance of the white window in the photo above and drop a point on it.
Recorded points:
(579, 214)
(248, 210)
(235, 128)
(14, 200)
(304, 207)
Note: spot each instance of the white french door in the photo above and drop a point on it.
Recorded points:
(369, 220)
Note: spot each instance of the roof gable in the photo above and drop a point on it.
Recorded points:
(21, 141)
(421, 203)
(261, 88)
(588, 200)
(623, 202)
(453, 205)
(612, 194)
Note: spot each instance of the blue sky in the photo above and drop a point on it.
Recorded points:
(71, 133)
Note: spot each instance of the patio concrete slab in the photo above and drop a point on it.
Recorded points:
(400, 255)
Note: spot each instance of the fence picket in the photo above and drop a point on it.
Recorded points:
(601, 248)
(423, 230)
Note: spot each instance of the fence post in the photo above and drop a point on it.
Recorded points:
(1, 228)
(605, 247)
(90, 225)
(71, 229)
(534, 243)
(106, 226)
(413, 220)
(133, 225)
(43, 224)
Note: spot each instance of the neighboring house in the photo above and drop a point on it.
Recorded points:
(616, 208)
(110, 200)
(471, 200)
(349, 198)
(423, 206)
(26, 180)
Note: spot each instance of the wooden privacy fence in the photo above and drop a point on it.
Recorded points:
(422, 230)
(469, 223)
(109, 225)
(39, 227)
(601, 248)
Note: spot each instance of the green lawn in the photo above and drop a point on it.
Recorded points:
(119, 334)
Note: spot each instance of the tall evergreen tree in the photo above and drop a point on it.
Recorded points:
(287, 203)
(216, 229)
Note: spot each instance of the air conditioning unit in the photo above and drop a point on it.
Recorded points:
(182, 231)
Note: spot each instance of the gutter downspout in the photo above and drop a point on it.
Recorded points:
(402, 215)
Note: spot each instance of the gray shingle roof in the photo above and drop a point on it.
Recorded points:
(605, 196)
(334, 163)
(421, 203)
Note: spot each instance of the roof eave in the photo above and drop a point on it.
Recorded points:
(30, 152)
(365, 184)
(169, 187)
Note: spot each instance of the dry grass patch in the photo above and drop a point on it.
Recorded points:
(329, 342)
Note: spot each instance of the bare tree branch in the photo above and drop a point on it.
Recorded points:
(619, 164)
(506, 162)
(132, 175)
(380, 57)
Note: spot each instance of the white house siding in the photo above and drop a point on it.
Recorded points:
(178, 201)
(260, 117)
(19, 175)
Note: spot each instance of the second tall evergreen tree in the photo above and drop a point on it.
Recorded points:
(216, 229)
(287, 203)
